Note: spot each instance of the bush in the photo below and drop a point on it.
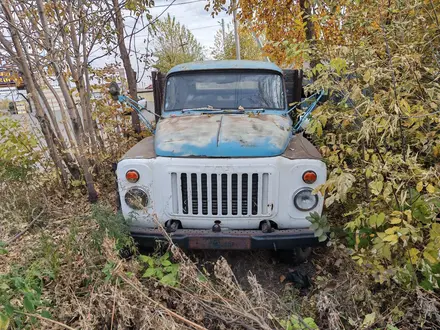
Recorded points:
(379, 134)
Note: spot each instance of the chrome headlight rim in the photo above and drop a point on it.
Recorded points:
(297, 194)
(141, 190)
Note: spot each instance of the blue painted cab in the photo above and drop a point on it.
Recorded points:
(224, 109)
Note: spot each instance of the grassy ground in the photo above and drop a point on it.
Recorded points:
(65, 271)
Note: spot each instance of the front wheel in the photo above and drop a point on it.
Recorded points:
(297, 255)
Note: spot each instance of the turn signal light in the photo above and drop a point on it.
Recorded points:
(132, 176)
(309, 177)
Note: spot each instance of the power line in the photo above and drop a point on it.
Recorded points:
(203, 27)
(178, 4)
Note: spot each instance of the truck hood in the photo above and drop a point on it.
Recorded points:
(223, 135)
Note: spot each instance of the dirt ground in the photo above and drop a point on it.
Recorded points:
(265, 265)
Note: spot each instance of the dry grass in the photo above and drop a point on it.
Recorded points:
(93, 288)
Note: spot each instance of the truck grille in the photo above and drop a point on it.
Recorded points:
(214, 194)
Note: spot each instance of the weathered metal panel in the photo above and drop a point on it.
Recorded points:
(301, 148)
(242, 135)
(227, 64)
(143, 149)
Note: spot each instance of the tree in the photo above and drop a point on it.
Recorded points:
(53, 41)
(287, 22)
(140, 8)
(249, 49)
(174, 44)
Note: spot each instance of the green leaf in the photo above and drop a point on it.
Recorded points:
(169, 279)
(202, 278)
(310, 323)
(369, 320)
(318, 232)
(380, 219)
(28, 304)
(147, 259)
(166, 263)
(46, 314)
(391, 327)
(4, 322)
(376, 187)
(159, 273)
(149, 272)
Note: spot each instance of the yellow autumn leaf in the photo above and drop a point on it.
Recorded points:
(395, 221)
(408, 214)
(391, 238)
(391, 230)
(4, 322)
(419, 186)
(430, 188)
(414, 255)
(428, 255)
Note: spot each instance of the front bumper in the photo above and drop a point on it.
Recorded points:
(229, 239)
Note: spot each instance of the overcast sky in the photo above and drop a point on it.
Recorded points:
(190, 13)
(194, 17)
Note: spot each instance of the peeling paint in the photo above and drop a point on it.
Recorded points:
(226, 64)
(223, 135)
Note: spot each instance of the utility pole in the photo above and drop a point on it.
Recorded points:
(237, 38)
(223, 34)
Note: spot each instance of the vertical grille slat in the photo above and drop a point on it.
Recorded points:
(259, 193)
(245, 195)
(184, 190)
(265, 194)
(239, 194)
(190, 195)
(224, 189)
(215, 194)
(174, 192)
(255, 194)
(209, 187)
(204, 191)
(220, 194)
(249, 195)
(234, 194)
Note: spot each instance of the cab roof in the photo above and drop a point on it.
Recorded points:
(225, 65)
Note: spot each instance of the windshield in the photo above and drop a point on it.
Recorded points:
(224, 90)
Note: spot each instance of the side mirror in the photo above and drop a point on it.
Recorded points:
(114, 90)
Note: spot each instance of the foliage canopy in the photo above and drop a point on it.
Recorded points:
(174, 44)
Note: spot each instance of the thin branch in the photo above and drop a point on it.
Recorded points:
(13, 239)
(158, 305)
(46, 319)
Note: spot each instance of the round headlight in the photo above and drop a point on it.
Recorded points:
(136, 198)
(304, 200)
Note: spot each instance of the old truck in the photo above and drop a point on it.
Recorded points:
(225, 168)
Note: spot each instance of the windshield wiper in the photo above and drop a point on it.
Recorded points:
(202, 108)
(217, 111)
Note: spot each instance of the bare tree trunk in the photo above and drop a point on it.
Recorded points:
(58, 137)
(59, 140)
(306, 12)
(62, 110)
(129, 72)
(73, 112)
(30, 87)
(78, 76)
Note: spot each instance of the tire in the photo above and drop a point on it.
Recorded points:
(297, 255)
